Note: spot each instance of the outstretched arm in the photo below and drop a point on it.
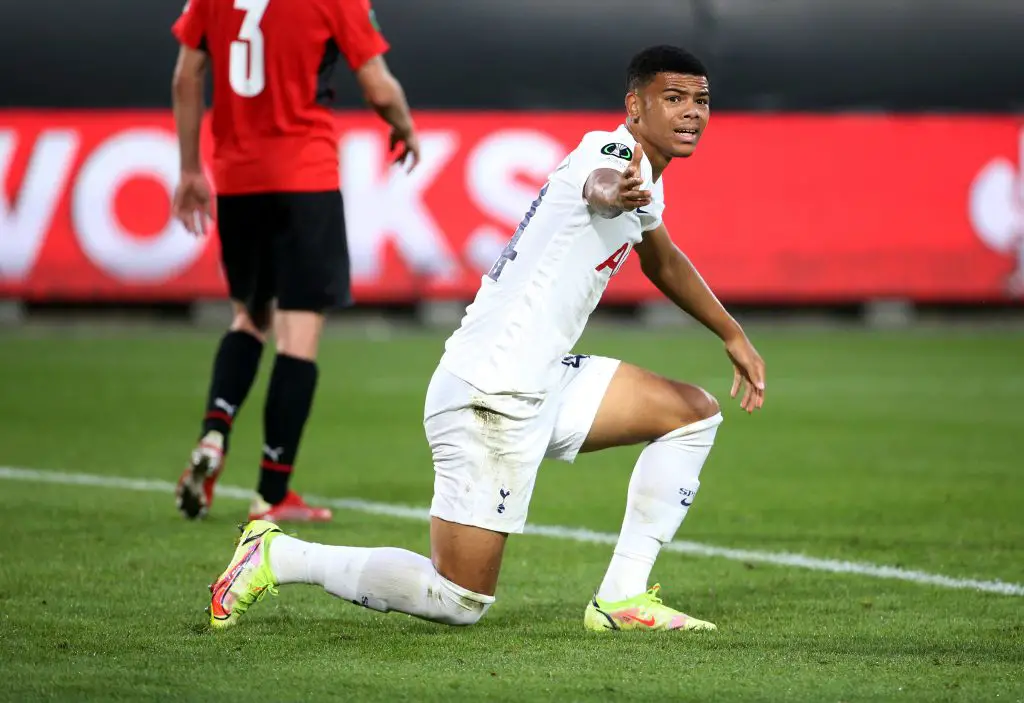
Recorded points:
(610, 193)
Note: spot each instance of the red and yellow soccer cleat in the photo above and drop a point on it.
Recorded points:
(642, 612)
(292, 509)
(248, 577)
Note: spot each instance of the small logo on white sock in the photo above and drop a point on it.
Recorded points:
(226, 406)
(504, 494)
(687, 494)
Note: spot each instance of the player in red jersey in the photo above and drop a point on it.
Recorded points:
(278, 207)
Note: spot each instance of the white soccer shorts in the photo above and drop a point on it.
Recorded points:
(487, 448)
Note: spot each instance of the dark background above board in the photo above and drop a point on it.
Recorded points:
(807, 55)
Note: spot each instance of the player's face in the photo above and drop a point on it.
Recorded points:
(674, 110)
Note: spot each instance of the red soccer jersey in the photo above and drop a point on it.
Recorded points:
(271, 59)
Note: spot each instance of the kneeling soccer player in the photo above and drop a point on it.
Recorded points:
(507, 393)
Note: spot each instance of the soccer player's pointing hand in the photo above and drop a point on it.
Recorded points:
(630, 195)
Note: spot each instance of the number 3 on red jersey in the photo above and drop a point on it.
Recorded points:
(246, 63)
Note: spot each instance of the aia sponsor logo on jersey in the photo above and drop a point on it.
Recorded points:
(616, 260)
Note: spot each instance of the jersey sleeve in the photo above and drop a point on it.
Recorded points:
(190, 28)
(596, 150)
(357, 33)
(653, 215)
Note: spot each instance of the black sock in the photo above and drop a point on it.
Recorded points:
(234, 370)
(289, 400)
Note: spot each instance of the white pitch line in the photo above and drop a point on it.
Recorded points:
(799, 561)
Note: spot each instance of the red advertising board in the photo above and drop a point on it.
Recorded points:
(785, 208)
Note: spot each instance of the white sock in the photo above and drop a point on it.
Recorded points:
(661, 490)
(382, 578)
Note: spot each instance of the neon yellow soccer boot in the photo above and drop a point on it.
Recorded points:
(248, 577)
(642, 612)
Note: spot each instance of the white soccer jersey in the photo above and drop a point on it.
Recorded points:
(535, 301)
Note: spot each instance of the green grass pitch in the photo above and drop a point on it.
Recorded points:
(897, 449)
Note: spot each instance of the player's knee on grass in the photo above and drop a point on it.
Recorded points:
(460, 606)
(394, 579)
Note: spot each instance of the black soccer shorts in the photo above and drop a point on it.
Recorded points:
(285, 246)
